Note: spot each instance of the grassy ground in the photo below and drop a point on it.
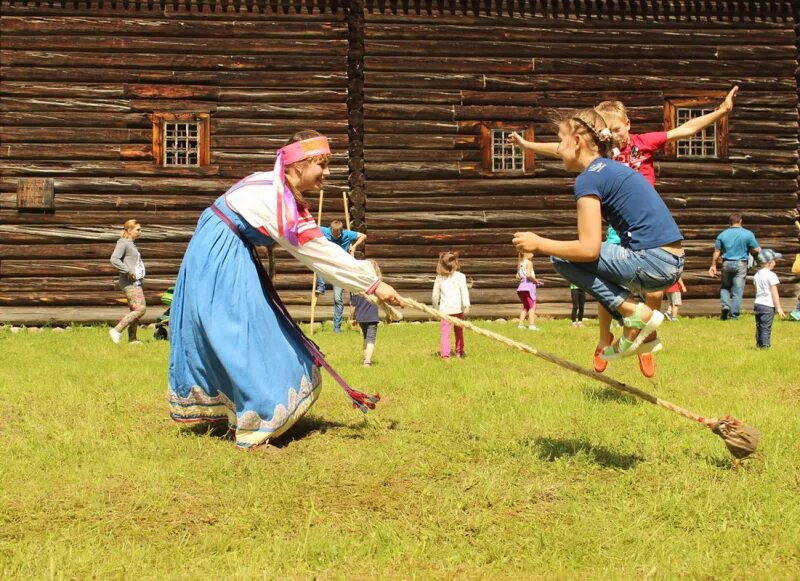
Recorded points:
(500, 465)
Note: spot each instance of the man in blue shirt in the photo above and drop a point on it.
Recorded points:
(347, 240)
(734, 245)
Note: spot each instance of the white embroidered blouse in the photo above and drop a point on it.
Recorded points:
(256, 202)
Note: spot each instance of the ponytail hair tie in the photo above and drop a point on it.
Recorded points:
(605, 134)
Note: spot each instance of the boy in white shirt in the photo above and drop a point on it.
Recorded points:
(767, 300)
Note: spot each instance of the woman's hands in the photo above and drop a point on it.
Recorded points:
(132, 276)
(388, 295)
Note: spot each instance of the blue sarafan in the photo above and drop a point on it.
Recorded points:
(236, 354)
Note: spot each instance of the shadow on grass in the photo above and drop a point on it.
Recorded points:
(309, 426)
(305, 427)
(551, 449)
(608, 394)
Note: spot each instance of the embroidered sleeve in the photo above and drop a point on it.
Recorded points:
(334, 264)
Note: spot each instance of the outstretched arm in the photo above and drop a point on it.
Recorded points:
(694, 125)
(549, 149)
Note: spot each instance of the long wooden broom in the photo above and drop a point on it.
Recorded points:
(741, 440)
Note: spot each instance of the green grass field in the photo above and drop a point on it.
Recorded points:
(497, 466)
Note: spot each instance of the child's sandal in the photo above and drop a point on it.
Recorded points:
(619, 348)
(645, 329)
(625, 347)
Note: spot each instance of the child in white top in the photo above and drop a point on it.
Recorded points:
(450, 296)
(767, 300)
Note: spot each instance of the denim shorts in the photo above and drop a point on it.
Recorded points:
(618, 271)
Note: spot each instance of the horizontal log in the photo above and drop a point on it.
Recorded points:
(161, 46)
(408, 170)
(545, 65)
(276, 127)
(75, 119)
(208, 26)
(105, 168)
(533, 220)
(64, 104)
(335, 78)
(272, 96)
(560, 82)
(66, 135)
(411, 141)
(441, 47)
(303, 111)
(698, 200)
(528, 185)
(683, 21)
(44, 151)
(159, 185)
(553, 34)
(320, 61)
(268, 142)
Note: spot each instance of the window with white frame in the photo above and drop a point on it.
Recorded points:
(499, 154)
(181, 143)
(711, 142)
(181, 139)
(701, 144)
(505, 155)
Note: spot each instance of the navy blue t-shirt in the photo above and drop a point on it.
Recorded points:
(629, 203)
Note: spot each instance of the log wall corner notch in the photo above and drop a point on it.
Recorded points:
(36, 195)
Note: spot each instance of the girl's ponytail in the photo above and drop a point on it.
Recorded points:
(590, 123)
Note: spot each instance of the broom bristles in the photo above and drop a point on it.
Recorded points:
(741, 440)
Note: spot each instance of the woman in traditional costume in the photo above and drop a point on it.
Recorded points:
(236, 355)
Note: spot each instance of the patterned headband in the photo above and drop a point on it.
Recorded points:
(287, 213)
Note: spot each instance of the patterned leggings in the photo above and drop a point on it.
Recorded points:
(135, 297)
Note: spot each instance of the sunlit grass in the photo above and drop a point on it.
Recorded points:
(500, 465)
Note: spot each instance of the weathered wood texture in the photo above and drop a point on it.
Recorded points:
(79, 83)
(432, 79)
(402, 89)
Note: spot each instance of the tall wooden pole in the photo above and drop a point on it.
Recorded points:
(346, 201)
(314, 275)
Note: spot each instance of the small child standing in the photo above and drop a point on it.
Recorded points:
(578, 296)
(450, 296)
(526, 290)
(767, 300)
(674, 297)
(366, 315)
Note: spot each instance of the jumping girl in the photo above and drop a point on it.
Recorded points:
(650, 256)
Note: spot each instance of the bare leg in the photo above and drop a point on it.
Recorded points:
(604, 320)
(369, 349)
(522, 317)
(653, 301)
(532, 317)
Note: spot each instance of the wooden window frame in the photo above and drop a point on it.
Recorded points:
(695, 99)
(526, 130)
(203, 137)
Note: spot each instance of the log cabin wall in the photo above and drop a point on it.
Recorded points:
(403, 90)
(436, 71)
(79, 83)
